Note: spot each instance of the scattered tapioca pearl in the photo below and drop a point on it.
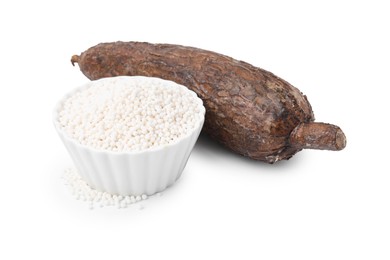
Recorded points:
(82, 191)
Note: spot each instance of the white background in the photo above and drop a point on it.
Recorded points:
(318, 205)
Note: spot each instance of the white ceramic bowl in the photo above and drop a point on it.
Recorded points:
(130, 173)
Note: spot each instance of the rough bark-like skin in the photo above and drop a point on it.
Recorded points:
(319, 136)
(249, 110)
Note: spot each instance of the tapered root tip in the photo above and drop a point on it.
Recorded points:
(318, 136)
(74, 59)
(341, 140)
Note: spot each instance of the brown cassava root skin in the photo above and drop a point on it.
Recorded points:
(318, 136)
(248, 109)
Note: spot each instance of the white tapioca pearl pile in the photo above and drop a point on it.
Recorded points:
(118, 117)
(82, 191)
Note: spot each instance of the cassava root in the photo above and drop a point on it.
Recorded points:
(249, 110)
